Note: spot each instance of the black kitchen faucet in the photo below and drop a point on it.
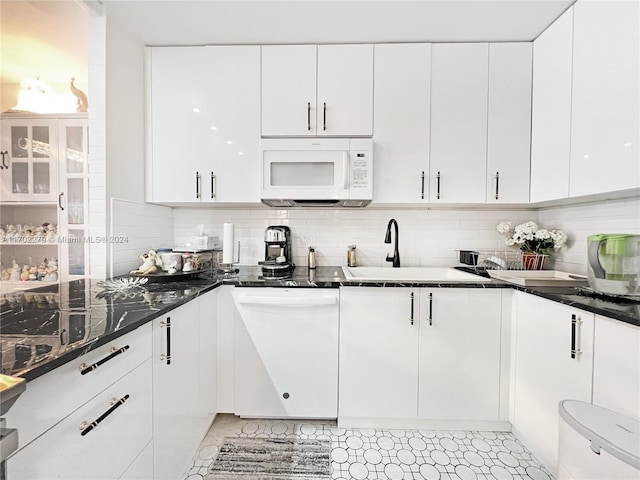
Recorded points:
(387, 239)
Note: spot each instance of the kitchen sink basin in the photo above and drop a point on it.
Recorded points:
(425, 274)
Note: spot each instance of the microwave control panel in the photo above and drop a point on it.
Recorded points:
(360, 170)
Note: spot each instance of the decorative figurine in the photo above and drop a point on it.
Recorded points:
(52, 271)
(83, 101)
(148, 263)
(15, 273)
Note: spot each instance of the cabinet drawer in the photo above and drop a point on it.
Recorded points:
(104, 451)
(53, 396)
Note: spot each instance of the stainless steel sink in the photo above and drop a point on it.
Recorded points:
(425, 274)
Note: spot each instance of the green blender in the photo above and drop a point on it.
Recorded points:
(614, 263)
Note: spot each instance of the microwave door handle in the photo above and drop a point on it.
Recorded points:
(345, 170)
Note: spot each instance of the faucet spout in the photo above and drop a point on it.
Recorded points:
(387, 239)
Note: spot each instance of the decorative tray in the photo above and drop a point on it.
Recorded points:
(539, 278)
(167, 277)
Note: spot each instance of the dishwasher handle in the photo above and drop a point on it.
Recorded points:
(279, 301)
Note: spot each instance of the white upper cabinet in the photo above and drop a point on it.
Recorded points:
(605, 131)
(28, 160)
(402, 77)
(204, 105)
(551, 111)
(324, 90)
(459, 86)
(289, 90)
(509, 122)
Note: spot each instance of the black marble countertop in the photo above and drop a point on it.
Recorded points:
(44, 328)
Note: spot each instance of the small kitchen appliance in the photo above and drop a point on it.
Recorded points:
(278, 254)
(318, 172)
(614, 263)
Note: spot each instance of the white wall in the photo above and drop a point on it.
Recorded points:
(136, 228)
(124, 113)
(427, 237)
(580, 221)
(96, 43)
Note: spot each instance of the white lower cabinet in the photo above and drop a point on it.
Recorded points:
(176, 406)
(553, 362)
(417, 355)
(378, 352)
(459, 353)
(74, 450)
(616, 366)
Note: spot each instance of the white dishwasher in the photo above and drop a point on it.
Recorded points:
(286, 352)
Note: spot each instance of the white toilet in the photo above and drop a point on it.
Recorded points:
(596, 443)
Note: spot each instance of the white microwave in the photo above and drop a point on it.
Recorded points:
(318, 172)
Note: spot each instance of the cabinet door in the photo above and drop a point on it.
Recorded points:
(176, 403)
(204, 105)
(459, 354)
(605, 129)
(509, 123)
(616, 366)
(345, 90)
(378, 352)
(231, 159)
(29, 157)
(546, 372)
(459, 85)
(402, 77)
(180, 123)
(289, 90)
(107, 449)
(73, 138)
(551, 110)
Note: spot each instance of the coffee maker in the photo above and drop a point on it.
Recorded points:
(278, 254)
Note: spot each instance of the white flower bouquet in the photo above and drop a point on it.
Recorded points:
(530, 238)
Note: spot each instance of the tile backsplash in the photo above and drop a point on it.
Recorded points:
(426, 236)
(580, 221)
(136, 228)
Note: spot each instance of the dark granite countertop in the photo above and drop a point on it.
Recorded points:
(44, 328)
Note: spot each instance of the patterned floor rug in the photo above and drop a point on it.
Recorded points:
(272, 459)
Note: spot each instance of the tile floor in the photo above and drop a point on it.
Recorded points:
(388, 454)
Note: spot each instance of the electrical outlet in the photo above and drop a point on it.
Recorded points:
(308, 240)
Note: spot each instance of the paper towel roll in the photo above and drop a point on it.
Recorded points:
(227, 243)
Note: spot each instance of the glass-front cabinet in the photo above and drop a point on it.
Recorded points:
(44, 207)
(73, 200)
(28, 160)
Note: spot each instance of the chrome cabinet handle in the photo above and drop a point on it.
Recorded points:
(84, 369)
(422, 189)
(60, 201)
(167, 357)
(324, 116)
(575, 322)
(308, 115)
(412, 297)
(198, 185)
(497, 177)
(438, 186)
(213, 185)
(84, 428)
(430, 309)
